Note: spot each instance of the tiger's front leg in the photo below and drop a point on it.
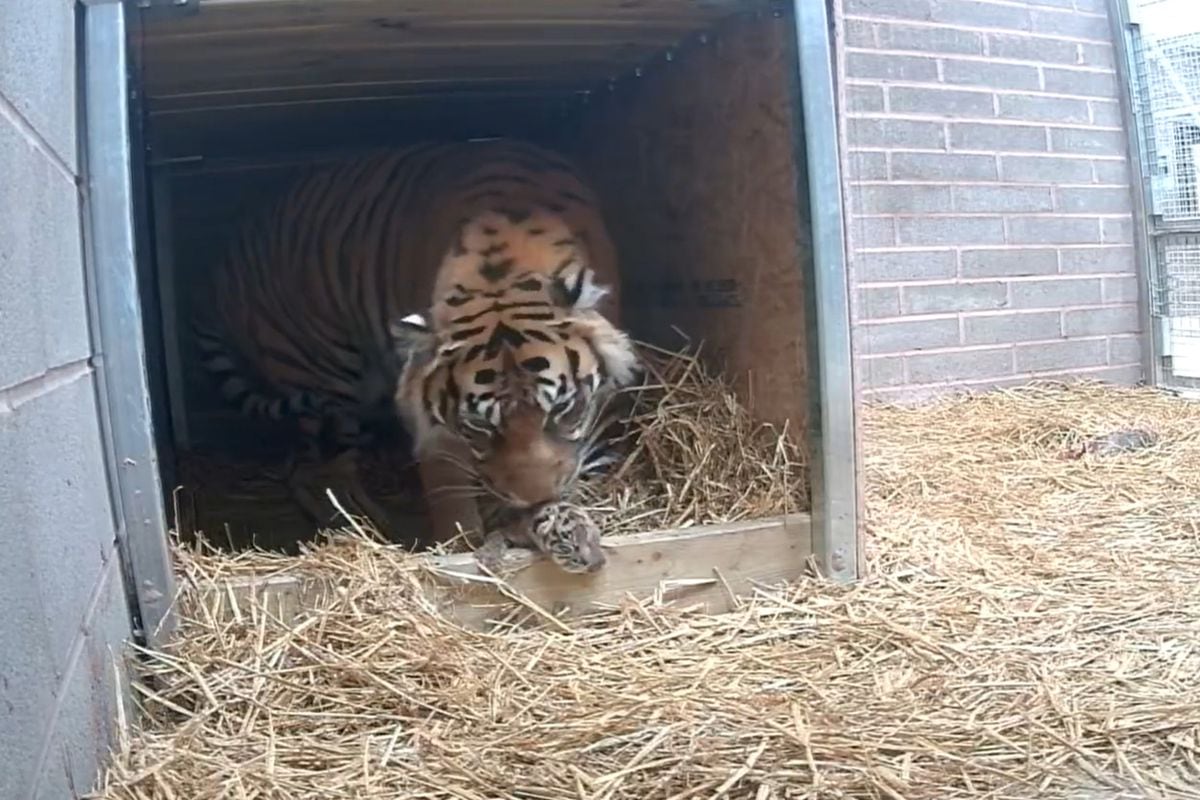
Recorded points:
(312, 473)
(309, 476)
(450, 489)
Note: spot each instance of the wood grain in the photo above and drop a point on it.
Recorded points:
(709, 565)
(698, 163)
(712, 565)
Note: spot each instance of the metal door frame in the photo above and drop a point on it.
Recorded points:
(119, 347)
(119, 331)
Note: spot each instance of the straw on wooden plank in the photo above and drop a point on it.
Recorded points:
(1030, 629)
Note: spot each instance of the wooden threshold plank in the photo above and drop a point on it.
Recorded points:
(709, 565)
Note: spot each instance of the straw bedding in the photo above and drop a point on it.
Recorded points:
(698, 457)
(1030, 628)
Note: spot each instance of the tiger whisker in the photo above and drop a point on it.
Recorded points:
(459, 491)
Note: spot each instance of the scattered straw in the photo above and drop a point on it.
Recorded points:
(1031, 629)
(697, 455)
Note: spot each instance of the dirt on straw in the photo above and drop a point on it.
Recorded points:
(1030, 629)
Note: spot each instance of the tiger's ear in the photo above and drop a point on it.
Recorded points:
(573, 285)
(612, 345)
(412, 338)
(416, 349)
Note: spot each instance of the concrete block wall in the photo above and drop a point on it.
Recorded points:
(65, 611)
(990, 201)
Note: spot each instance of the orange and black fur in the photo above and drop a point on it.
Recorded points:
(470, 289)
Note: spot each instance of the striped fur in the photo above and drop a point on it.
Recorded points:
(499, 249)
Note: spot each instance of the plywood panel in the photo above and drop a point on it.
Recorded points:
(221, 16)
(698, 162)
(263, 43)
(193, 71)
(265, 130)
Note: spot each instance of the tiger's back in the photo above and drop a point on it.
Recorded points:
(503, 382)
(299, 323)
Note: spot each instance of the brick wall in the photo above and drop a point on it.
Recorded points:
(65, 613)
(990, 201)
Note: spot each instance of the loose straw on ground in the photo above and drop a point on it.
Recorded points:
(1030, 629)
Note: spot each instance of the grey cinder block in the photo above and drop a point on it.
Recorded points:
(942, 298)
(1122, 289)
(1002, 199)
(1088, 141)
(895, 36)
(949, 230)
(891, 67)
(898, 337)
(1039, 108)
(901, 199)
(1009, 262)
(905, 265)
(998, 137)
(943, 166)
(961, 365)
(1002, 328)
(1099, 321)
(1081, 82)
(1056, 293)
(993, 75)
(1124, 350)
(941, 102)
(1098, 260)
(1045, 169)
(878, 301)
(1066, 354)
(43, 315)
(895, 133)
(37, 71)
(1098, 200)
(1053, 230)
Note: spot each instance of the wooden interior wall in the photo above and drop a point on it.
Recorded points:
(697, 163)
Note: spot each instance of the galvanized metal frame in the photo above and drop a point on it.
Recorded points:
(121, 352)
(119, 346)
(833, 418)
(1119, 19)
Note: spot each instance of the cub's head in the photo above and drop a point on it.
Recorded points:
(520, 373)
(569, 537)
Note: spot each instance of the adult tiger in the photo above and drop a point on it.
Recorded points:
(502, 376)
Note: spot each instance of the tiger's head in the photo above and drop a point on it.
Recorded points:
(520, 369)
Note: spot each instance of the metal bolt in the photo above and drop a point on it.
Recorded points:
(637, 72)
(669, 55)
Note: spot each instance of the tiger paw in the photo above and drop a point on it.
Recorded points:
(490, 554)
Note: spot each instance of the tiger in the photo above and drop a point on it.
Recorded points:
(563, 532)
(468, 291)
